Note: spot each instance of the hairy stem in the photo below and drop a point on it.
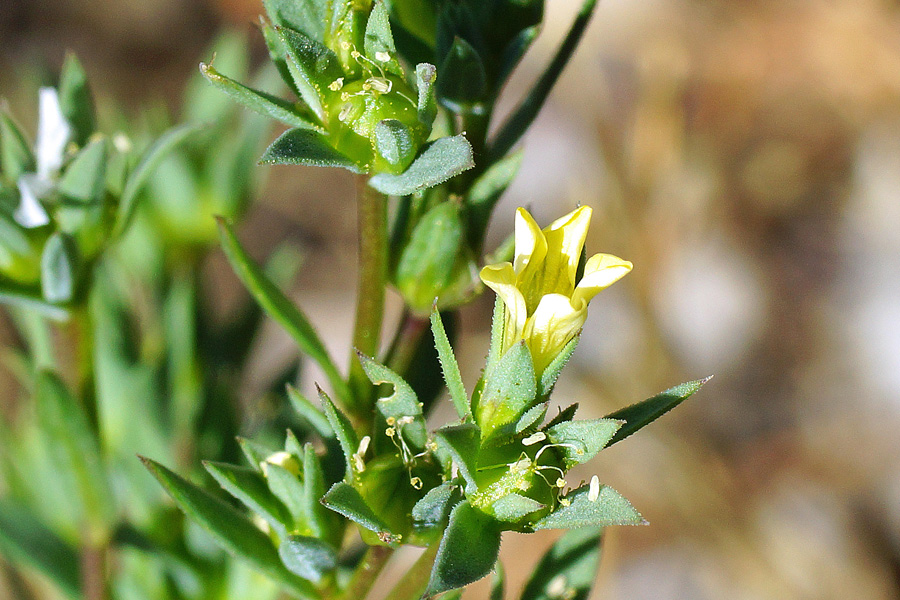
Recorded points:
(373, 266)
(366, 573)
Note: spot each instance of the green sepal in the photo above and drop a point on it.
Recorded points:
(288, 489)
(468, 550)
(395, 142)
(610, 508)
(306, 147)
(531, 418)
(512, 508)
(509, 390)
(426, 105)
(588, 437)
(307, 557)
(251, 488)
(15, 154)
(450, 367)
(279, 307)
(150, 159)
(343, 430)
(401, 403)
(643, 413)
(345, 500)
(463, 80)
(75, 100)
(258, 101)
(430, 513)
(378, 38)
(306, 16)
(84, 180)
(229, 528)
(308, 411)
(441, 160)
(568, 569)
(313, 67)
(26, 540)
(59, 269)
(462, 443)
(552, 371)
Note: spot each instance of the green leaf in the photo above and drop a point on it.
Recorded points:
(31, 302)
(514, 52)
(257, 101)
(643, 413)
(609, 508)
(75, 99)
(513, 507)
(564, 414)
(442, 159)
(307, 557)
(498, 582)
(582, 439)
(322, 523)
(568, 569)
(426, 76)
(312, 65)
(523, 116)
(532, 417)
(487, 190)
(468, 550)
(141, 174)
(229, 528)
(74, 449)
(15, 154)
(306, 147)
(463, 81)
(255, 453)
(432, 509)
(345, 500)
(279, 307)
(509, 390)
(307, 16)
(342, 428)
(24, 539)
(59, 269)
(84, 180)
(462, 442)
(401, 403)
(309, 412)
(251, 488)
(379, 39)
(394, 142)
(450, 367)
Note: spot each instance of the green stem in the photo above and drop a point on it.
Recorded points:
(93, 577)
(412, 586)
(406, 343)
(81, 328)
(373, 267)
(366, 573)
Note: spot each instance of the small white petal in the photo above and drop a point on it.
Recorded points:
(53, 133)
(30, 213)
(594, 491)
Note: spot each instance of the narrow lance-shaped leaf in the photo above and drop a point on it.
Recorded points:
(379, 41)
(149, 161)
(345, 500)
(15, 154)
(309, 412)
(75, 99)
(462, 442)
(643, 413)
(589, 507)
(85, 177)
(308, 557)
(342, 428)
(523, 116)
(450, 367)
(568, 569)
(279, 307)
(231, 529)
(250, 487)
(306, 147)
(59, 269)
(257, 101)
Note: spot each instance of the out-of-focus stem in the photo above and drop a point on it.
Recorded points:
(413, 583)
(367, 572)
(373, 265)
(93, 576)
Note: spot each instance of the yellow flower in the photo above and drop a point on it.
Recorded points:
(545, 305)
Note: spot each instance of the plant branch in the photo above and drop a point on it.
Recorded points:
(366, 573)
(412, 586)
(373, 266)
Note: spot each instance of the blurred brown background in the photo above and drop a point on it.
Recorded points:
(746, 157)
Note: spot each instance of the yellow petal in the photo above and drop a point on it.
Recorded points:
(550, 328)
(531, 247)
(600, 272)
(565, 239)
(502, 279)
